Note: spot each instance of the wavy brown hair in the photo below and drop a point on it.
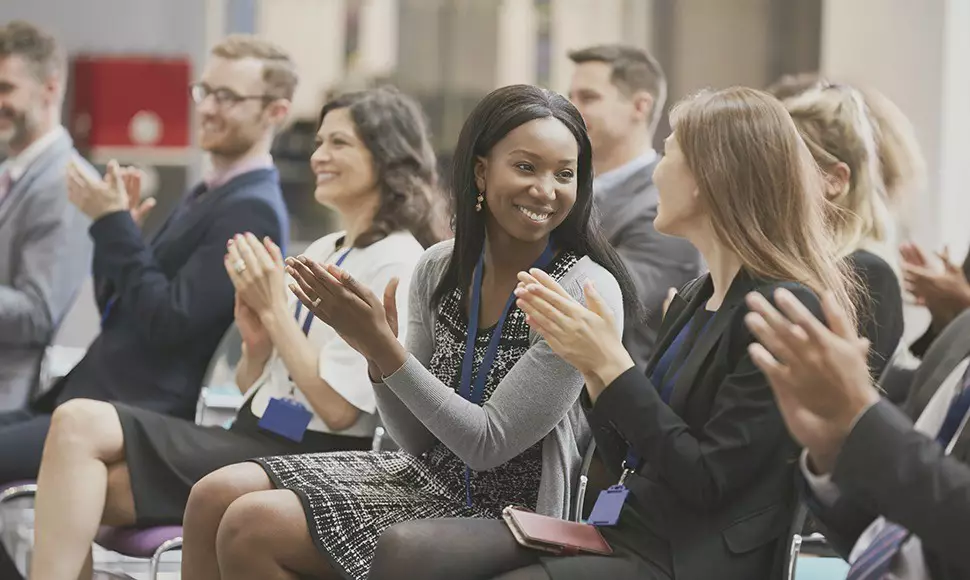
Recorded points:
(393, 128)
(762, 188)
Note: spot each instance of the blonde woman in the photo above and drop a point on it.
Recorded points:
(699, 439)
(836, 124)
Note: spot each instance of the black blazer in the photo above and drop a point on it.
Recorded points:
(887, 468)
(174, 299)
(718, 473)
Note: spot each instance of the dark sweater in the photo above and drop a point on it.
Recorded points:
(881, 315)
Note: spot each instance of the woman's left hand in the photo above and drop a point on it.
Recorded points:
(351, 309)
(584, 337)
(256, 270)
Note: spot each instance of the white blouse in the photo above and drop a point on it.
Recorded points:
(342, 367)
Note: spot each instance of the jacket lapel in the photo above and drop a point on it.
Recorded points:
(947, 351)
(704, 347)
(679, 313)
(44, 162)
(184, 219)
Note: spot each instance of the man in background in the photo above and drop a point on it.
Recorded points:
(620, 91)
(166, 303)
(45, 253)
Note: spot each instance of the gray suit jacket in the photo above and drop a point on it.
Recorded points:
(887, 468)
(656, 262)
(45, 255)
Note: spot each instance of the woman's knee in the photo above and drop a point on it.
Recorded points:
(88, 424)
(261, 525)
(214, 493)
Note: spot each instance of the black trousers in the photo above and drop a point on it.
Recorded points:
(22, 435)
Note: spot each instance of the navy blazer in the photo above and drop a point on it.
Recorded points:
(717, 479)
(166, 303)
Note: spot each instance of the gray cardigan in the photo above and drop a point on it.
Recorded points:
(537, 399)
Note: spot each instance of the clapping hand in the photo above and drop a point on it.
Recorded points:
(367, 324)
(97, 198)
(944, 291)
(256, 271)
(132, 179)
(819, 375)
(586, 338)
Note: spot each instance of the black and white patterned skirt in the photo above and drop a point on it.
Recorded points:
(351, 497)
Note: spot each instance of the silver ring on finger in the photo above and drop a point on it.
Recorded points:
(239, 266)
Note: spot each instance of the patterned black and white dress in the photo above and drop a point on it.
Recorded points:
(350, 498)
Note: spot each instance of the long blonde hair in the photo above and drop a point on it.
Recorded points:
(762, 189)
(835, 123)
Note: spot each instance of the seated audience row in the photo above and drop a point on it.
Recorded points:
(506, 350)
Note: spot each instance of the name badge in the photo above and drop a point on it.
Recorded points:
(286, 418)
(609, 504)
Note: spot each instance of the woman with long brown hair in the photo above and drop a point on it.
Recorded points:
(698, 442)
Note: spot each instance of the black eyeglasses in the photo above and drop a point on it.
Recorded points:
(224, 97)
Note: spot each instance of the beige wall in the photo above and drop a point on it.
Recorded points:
(916, 53)
(313, 31)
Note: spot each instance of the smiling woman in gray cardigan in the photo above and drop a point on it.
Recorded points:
(536, 401)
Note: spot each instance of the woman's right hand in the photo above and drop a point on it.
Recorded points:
(254, 335)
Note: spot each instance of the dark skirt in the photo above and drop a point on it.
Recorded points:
(166, 456)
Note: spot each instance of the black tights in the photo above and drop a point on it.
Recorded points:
(471, 549)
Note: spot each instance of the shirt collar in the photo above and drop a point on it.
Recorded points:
(616, 176)
(18, 166)
(216, 179)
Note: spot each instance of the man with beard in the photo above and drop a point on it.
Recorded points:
(44, 249)
(165, 303)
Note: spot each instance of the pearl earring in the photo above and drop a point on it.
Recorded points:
(481, 200)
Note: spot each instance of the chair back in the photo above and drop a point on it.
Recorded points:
(219, 382)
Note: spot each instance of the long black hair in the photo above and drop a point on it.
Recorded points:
(493, 118)
(393, 128)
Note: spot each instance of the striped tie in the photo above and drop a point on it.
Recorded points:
(873, 563)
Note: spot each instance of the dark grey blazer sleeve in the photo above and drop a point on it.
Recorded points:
(907, 479)
(53, 258)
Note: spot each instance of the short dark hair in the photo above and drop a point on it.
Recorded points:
(392, 127)
(634, 70)
(38, 48)
(493, 118)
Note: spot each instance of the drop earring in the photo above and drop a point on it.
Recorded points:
(480, 200)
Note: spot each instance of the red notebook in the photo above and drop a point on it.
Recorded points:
(553, 535)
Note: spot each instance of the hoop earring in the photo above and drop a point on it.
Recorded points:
(480, 201)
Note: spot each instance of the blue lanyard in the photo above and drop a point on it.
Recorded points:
(299, 305)
(473, 390)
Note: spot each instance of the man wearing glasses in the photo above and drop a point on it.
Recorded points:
(166, 302)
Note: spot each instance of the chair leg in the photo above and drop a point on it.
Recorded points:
(793, 551)
(169, 546)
